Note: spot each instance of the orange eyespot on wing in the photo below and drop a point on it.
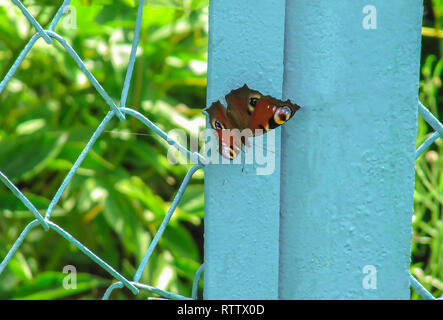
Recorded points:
(230, 142)
(247, 109)
(250, 109)
(241, 104)
(270, 113)
(218, 117)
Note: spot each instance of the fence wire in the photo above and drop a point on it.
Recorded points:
(438, 128)
(134, 286)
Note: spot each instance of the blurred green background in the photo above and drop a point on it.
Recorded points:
(123, 189)
(427, 239)
(120, 194)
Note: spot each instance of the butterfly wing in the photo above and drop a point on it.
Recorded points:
(249, 109)
(230, 142)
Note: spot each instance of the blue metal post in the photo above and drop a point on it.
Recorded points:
(348, 156)
(246, 42)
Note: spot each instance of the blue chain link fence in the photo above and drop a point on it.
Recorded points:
(438, 127)
(121, 113)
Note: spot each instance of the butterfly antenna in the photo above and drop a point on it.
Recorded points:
(243, 159)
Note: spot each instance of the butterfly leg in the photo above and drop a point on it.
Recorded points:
(243, 159)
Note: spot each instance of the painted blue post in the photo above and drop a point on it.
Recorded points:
(348, 156)
(246, 42)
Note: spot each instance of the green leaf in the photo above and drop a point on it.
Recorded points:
(11, 202)
(121, 215)
(30, 126)
(199, 4)
(193, 200)
(93, 160)
(186, 267)
(49, 285)
(137, 189)
(26, 156)
(166, 3)
(164, 274)
(179, 241)
(19, 267)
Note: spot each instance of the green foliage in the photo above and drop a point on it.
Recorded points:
(427, 250)
(124, 188)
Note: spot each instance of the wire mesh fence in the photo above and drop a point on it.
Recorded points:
(120, 112)
(438, 128)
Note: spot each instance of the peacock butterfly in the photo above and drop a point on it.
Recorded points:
(247, 109)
